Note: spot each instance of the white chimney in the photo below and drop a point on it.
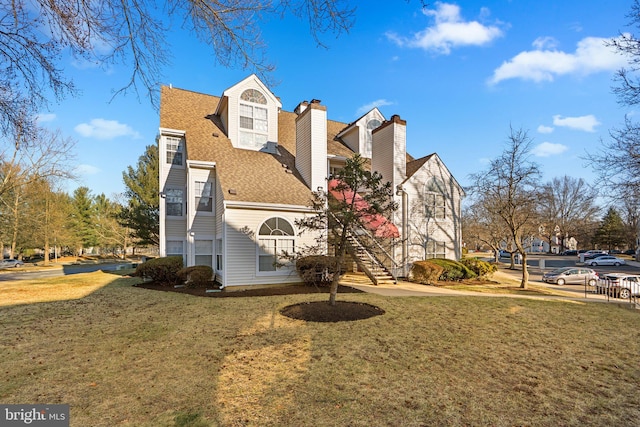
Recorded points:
(311, 144)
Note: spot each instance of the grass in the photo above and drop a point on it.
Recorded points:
(125, 356)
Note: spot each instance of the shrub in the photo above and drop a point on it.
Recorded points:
(196, 276)
(163, 271)
(480, 267)
(425, 272)
(453, 270)
(317, 269)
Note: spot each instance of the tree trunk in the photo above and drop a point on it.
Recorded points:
(342, 249)
(525, 272)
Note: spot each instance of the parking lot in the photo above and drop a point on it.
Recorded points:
(552, 262)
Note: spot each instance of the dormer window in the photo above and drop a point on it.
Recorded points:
(371, 125)
(254, 125)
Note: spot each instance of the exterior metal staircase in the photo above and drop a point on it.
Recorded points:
(369, 263)
(370, 256)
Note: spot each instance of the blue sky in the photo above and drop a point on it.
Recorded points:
(460, 74)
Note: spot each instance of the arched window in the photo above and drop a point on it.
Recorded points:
(435, 199)
(275, 238)
(254, 124)
(371, 125)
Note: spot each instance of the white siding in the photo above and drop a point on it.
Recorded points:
(241, 231)
(230, 115)
(311, 146)
(170, 176)
(422, 228)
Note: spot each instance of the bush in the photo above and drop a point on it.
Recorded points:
(480, 267)
(453, 270)
(425, 272)
(196, 276)
(317, 270)
(163, 271)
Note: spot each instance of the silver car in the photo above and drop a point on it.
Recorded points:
(621, 285)
(571, 275)
(7, 263)
(606, 260)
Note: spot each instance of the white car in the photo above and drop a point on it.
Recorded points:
(621, 285)
(605, 260)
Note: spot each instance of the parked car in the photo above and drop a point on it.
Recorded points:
(569, 252)
(620, 285)
(630, 252)
(615, 252)
(571, 275)
(592, 253)
(605, 260)
(8, 263)
(504, 254)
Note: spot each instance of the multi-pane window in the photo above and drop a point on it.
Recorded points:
(175, 149)
(174, 202)
(275, 238)
(219, 254)
(254, 125)
(204, 196)
(175, 248)
(435, 200)
(371, 125)
(435, 249)
(204, 252)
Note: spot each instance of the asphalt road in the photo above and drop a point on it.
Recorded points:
(551, 262)
(28, 272)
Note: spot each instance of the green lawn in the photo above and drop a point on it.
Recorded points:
(124, 356)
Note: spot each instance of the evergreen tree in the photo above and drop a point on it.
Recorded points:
(141, 213)
(611, 232)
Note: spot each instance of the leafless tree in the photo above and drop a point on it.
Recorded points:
(35, 34)
(567, 206)
(508, 189)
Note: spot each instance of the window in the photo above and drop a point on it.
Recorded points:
(219, 254)
(204, 196)
(435, 249)
(275, 237)
(435, 200)
(204, 252)
(371, 125)
(174, 202)
(175, 148)
(254, 125)
(175, 248)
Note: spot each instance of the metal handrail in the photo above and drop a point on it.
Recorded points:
(374, 241)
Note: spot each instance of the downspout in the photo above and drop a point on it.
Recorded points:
(405, 227)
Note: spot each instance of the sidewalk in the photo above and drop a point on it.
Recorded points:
(404, 289)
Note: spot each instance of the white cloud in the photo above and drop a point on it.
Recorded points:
(584, 123)
(86, 170)
(545, 43)
(545, 63)
(105, 129)
(368, 107)
(547, 149)
(45, 117)
(545, 129)
(449, 31)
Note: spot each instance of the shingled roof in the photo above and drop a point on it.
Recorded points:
(255, 176)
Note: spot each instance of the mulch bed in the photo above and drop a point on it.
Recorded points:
(317, 311)
(261, 292)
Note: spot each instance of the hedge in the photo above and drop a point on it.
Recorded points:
(453, 270)
(163, 271)
(480, 267)
(425, 272)
(196, 276)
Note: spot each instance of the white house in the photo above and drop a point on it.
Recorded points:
(237, 170)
